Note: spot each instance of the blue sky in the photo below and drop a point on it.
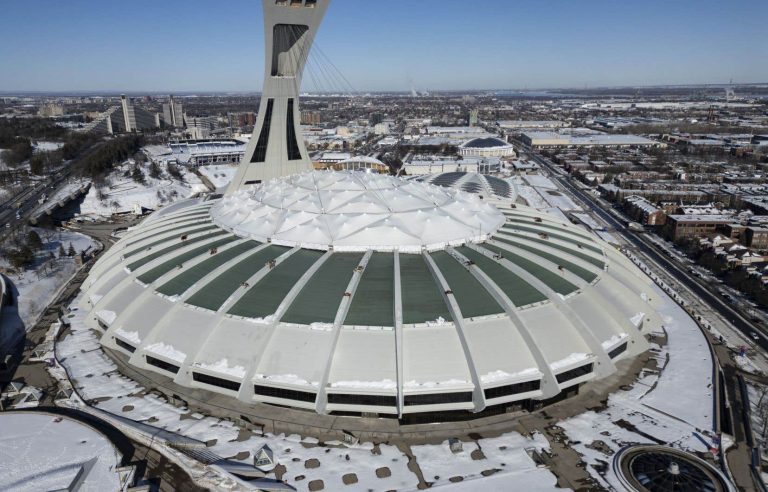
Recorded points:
(206, 45)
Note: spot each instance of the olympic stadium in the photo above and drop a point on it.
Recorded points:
(358, 294)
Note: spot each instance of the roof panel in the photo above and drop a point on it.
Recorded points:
(182, 282)
(572, 267)
(519, 291)
(422, 297)
(264, 298)
(374, 301)
(553, 280)
(319, 300)
(178, 261)
(213, 295)
(471, 296)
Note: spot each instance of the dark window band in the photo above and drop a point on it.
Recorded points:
(372, 400)
(214, 381)
(574, 373)
(512, 389)
(290, 132)
(162, 364)
(283, 393)
(618, 351)
(127, 346)
(260, 154)
(437, 398)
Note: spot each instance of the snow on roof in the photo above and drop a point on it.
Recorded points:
(356, 212)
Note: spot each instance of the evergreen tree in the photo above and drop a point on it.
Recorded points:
(61, 250)
(71, 251)
(137, 175)
(34, 241)
(154, 170)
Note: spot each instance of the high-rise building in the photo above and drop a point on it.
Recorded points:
(474, 117)
(51, 109)
(124, 118)
(173, 113)
(310, 117)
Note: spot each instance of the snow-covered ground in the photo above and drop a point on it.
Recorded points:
(220, 175)
(539, 181)
(37, 291)
(43, 146)
(41, 452)
(122, 193)
(758, 403)
(96, 377)
(588, 221)
(505, 455)
(674, 406)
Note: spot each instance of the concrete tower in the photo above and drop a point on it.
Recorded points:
(277, 148)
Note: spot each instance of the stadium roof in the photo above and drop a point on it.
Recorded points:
(351, 211)
(537, 306)
(486, 143)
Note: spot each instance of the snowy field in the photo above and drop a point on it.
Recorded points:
(37, 291)
(44, 146)
(220, 175)
(39, 452)
(506, 456)
(122, 193)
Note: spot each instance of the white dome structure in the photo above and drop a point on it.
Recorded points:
(200, 296)
(351, 211)
(487, 147)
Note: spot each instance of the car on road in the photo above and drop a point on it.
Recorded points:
(755, 336)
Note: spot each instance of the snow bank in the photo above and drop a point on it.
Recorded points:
(385, 384)
(223, 367)
(286, 379)
(131, 336)
(614, 340)
(108, 317)
(572, 359)
(166, 351)
(496, 376)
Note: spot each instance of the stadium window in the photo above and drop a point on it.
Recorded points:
(370, 400)
(166, 366)
(285, 394)
(618, 351)
(214, 381)
(512, 389)
(127, 346)
(437, 398)
(574, 373)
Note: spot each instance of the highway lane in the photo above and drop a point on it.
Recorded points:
(30, 198)
(658, 256)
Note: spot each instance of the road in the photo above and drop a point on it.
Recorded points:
(656, 254)
(30, 198)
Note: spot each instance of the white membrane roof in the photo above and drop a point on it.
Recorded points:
(353, 211)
